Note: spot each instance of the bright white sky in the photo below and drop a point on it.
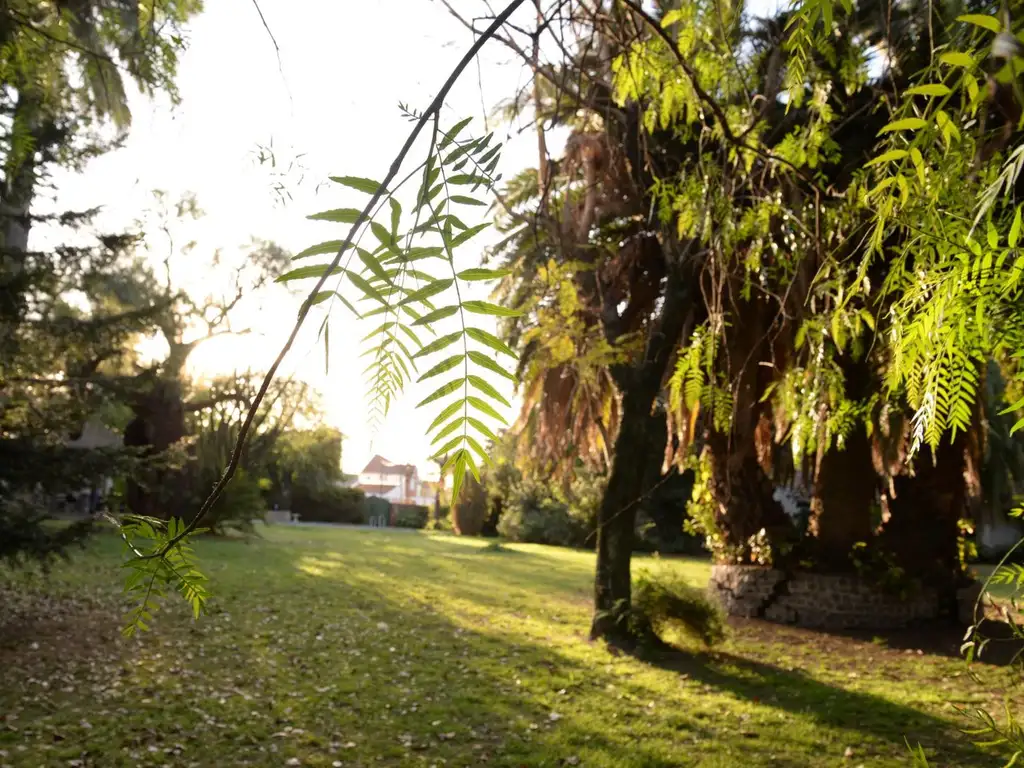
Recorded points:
(344, 68)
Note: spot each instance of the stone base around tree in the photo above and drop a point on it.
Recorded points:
(816, 600)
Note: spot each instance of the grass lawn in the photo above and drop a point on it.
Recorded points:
(329, 647)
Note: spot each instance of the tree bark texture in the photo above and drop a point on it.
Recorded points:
(742, 491)
(847, 483)
(922, 530)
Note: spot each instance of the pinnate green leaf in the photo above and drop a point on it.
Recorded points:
(485, 362)
(486, 308)
(443, 367)
(369, 186)
(438, 314)
(991, 23)
(442, 391)
(313, 270)
(439, 343)
(484, 386)
(490, 340)
(339, 215)
(905, 124)
(330, 246)
(484, 407)
(479, 273)
(930, 89)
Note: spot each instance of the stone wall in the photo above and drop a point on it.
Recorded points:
(815, 600)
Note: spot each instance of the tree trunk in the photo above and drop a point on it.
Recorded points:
(616, 519)
(742, 491)
(159, 424)
(846, 483)
(15, 223)
(640, 442)
(922, 530)
(841, 504)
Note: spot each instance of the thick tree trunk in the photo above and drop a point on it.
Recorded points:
(846, 482)
(841, 505)
(742, 491)
(159, 424)
(922, 530)
(743, 494)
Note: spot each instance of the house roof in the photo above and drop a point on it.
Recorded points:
(371, 490)
(381, 466)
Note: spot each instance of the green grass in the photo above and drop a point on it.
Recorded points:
(381, 648)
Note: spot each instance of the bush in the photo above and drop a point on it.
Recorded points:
(409, 515)
(239, 506)
(533, 515)
(668, 602)
(469, 512)
(332, 504)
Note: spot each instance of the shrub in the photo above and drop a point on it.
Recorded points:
(409, 515)
(332, 504)
(469, 512)
(239, 507)
(667, 602)
(534, 515)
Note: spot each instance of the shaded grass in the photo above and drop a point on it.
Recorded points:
(365, 648)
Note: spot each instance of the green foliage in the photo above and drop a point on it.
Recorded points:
(537, 513)
(329, 504)
(160, 558)
(667, 601)
(27, 535)
(239, 507)
(470, 508)
(409, 516)
(395, 283)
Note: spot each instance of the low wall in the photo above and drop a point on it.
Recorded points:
(815, 600)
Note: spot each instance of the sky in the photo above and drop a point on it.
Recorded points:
(332, 97)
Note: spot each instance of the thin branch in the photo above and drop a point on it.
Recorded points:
(430, 113)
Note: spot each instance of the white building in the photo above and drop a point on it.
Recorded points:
(398, 483)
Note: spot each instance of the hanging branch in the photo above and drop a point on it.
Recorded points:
(430, 113)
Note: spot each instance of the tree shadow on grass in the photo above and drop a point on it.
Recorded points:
(798, 693)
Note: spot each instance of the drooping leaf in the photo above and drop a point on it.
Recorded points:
(438, 314)
(484, 407)
(432, 289)
(479, 273)
(313, 270)
(486, 308)
(369, 186)
(485, 362)
(340, 215)
(360, 282)
(490, 340)
(443, 367)
(484, 386)
(439, 343)
(442, 391)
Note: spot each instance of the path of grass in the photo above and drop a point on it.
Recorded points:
(372, 648)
